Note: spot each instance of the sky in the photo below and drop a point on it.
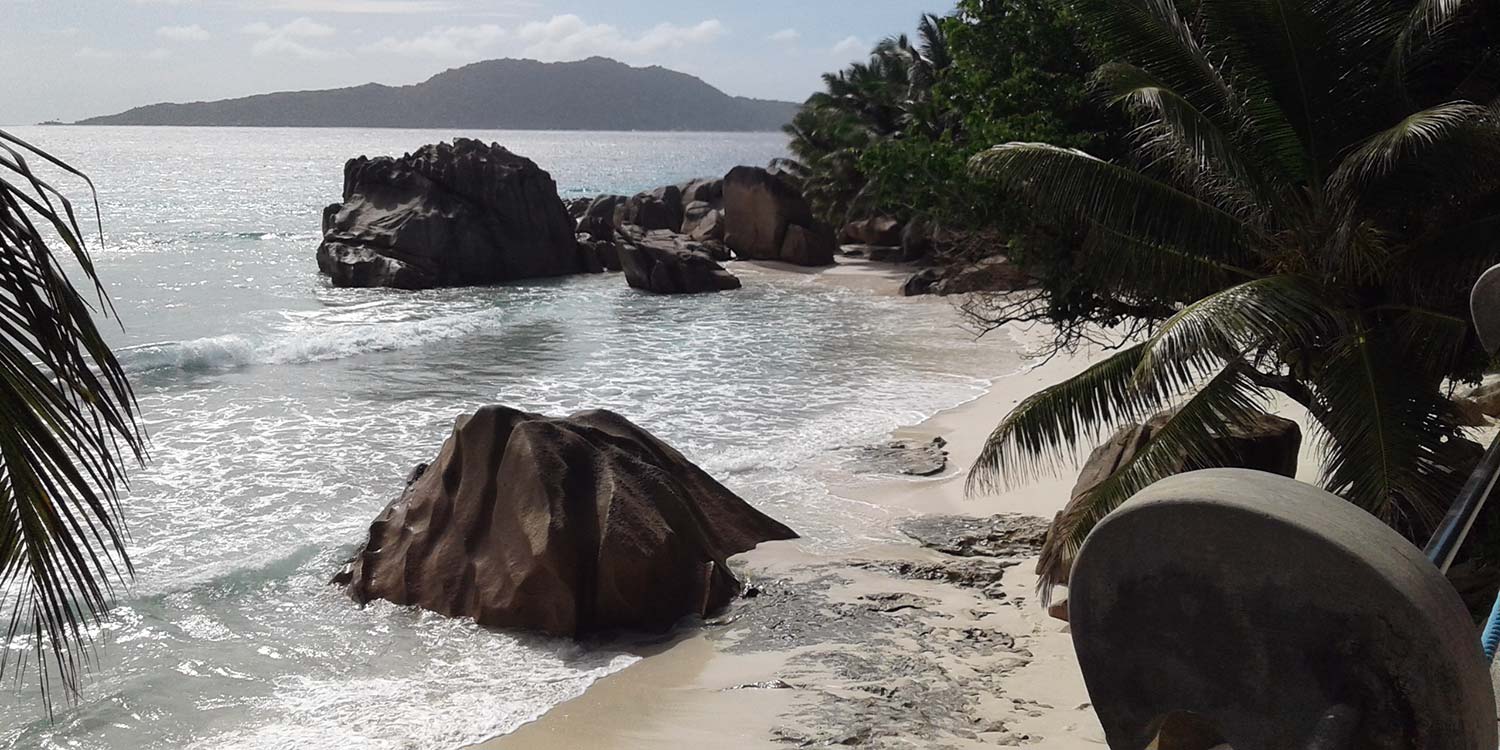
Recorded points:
(69, 59)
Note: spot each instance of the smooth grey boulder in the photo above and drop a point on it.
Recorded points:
(450, 214)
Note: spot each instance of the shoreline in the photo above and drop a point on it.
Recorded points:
(723, 683)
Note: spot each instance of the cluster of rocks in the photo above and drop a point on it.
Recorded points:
(469, 213)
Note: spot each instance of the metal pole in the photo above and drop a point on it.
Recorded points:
(1450, 535)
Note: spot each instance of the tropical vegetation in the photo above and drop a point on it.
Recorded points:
(68, 430)
(1307, 192)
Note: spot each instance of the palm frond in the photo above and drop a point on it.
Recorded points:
(1388, 435)
(1068, 183)
(1040, 434)
(1275, 313)
(67, 428)
(1186, 441)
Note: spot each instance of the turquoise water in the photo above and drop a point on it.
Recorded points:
(285, 413)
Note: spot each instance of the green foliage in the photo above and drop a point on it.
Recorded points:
(892, 136)
(67, 429)
(1308, 190)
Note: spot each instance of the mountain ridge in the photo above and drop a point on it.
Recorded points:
(596, 93)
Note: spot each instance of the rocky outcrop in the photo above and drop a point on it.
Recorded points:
(458, 214)
(664, 266)
(882, 231)
(993, 274)
(568, 526)
(1269, 443)
(701, 221)
(765, 218)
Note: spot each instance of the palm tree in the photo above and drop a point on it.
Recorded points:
(1312, 186)
(67, 425)
(882, 98)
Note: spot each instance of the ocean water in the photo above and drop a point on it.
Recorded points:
(285, 413)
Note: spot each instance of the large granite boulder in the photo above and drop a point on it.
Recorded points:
(993, 274)
(568, 526)
(881, 231)
(1269, 443)
(450, 214)
(708, 190)
(760, 212)
(664, 266)
(701, 221)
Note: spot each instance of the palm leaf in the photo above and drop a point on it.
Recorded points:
(1069, 183)
(67, 429)
(1388, 435)
(1186, 441)
(1041, 432)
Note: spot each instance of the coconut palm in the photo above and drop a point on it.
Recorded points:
(67, 430)
(1312, 187)
(882, 98)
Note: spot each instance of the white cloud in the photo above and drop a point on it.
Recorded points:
(301, 27)
(569, 37)
(286, 39)
(463, 42)
(165, 2)
(786, 36)
(849, 45)
(358, 6)
(160, 53)
(194, 33)
(94, 53)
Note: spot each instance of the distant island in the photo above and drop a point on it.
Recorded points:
(593, 94)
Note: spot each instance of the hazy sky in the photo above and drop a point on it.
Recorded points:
(68, 59)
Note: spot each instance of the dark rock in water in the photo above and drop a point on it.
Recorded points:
(577, 207)
(1006, 535)
(600, 228)
(568, 526)
(604, 208)
(457, 214)
(716, 250)
(766, 218)
(330, 213)
(921, 282)
(668, 268)
(588, 252)
(911, 457)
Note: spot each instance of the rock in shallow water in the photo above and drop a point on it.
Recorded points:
(458, 214)
(568, 526)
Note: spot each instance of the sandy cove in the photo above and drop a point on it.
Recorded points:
(894, 646)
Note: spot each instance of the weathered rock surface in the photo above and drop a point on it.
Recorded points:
(993, 274)
(663, 266)
(567, 526)
(701, 221)
(1486, 398)
(881, 230)
(1006, 536)
(765, 218)
(921, 282)
(1269, 444)
(450, 214)
(918, 458)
